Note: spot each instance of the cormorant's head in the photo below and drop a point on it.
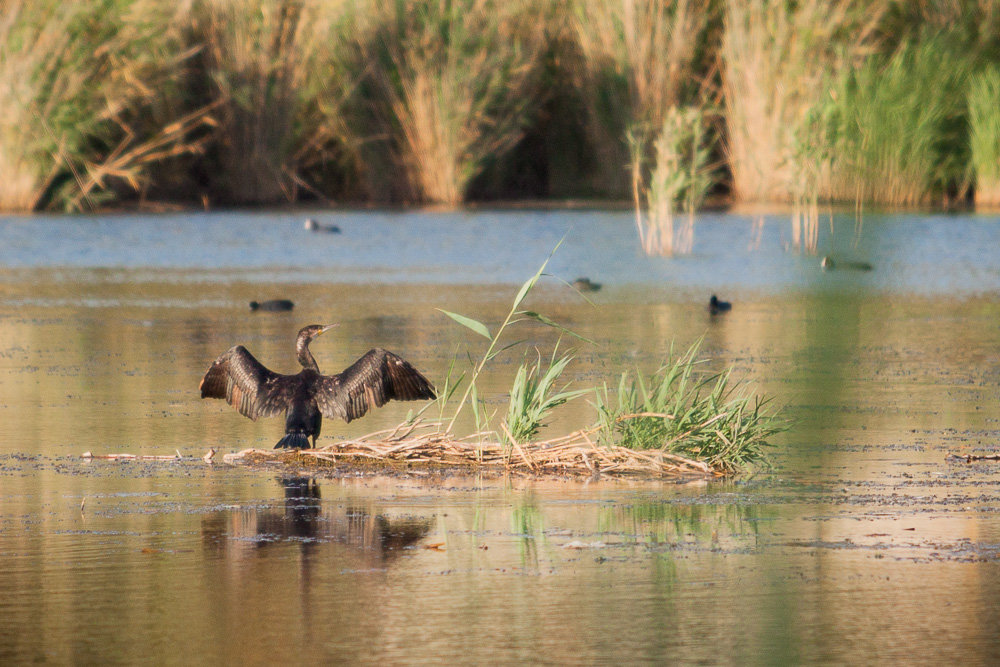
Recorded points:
(313, 330)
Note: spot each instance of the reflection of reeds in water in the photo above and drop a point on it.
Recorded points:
(984, 135)
(677, 182)
(677, 522)
(809, 160)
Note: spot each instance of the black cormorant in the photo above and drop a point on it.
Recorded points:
(314, 226)
(715, 306)
(274, 305)
(308, 396)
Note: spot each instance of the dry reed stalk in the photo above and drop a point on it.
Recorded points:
(84, 86)
(33, 83)
(574, 453)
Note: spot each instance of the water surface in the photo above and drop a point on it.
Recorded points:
(864, 543)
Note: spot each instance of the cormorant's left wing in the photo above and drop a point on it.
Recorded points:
(370, 382)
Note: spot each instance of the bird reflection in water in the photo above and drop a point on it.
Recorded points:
(372, 539)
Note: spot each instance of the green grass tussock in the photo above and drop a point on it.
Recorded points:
(681, 409)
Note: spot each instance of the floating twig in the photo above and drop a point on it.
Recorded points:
(969, 458)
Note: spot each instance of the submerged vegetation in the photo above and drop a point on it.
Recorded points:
(264, 101)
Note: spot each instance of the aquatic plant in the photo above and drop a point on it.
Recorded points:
(695, 417)
(514, 316)
(534, 395)
(681, 409)
(984, 135)
(678, 180)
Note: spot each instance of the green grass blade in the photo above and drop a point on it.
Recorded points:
(470, 323)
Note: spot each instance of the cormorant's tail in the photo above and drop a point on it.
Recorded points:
(293, 441)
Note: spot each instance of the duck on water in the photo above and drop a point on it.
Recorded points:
(272, 305)
(306, 397)
(313, 226)
(715, 306)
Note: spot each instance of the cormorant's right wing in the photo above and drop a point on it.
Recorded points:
(246, 384)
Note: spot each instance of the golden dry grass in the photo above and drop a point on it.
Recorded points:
(425, 445)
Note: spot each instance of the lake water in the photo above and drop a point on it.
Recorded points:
(863, 544)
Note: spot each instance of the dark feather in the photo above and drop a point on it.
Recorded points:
(370, 382)
(246, 384)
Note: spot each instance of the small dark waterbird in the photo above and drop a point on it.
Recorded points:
(715, 306)
(313, 226)
(272, 305)
(586, 285)
(829, 264)
(306, 397)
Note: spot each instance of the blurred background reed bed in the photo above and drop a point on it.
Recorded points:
(243, 102)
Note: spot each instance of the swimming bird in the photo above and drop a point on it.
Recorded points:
(308, 396)
(585, 285)
(272, 305)
(828, 264)
(313, 226)
(715, 306)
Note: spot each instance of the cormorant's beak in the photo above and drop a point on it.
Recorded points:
(327, 328)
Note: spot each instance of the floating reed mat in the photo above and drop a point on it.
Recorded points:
(575, 454)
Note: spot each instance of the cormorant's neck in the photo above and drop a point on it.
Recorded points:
(303, 354)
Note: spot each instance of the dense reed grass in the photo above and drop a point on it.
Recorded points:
(268, 101)
(281, 73)
(454, 80)
(984, 136)
(778, 59)
(638, 61)
(89, 92)
(900, 123)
